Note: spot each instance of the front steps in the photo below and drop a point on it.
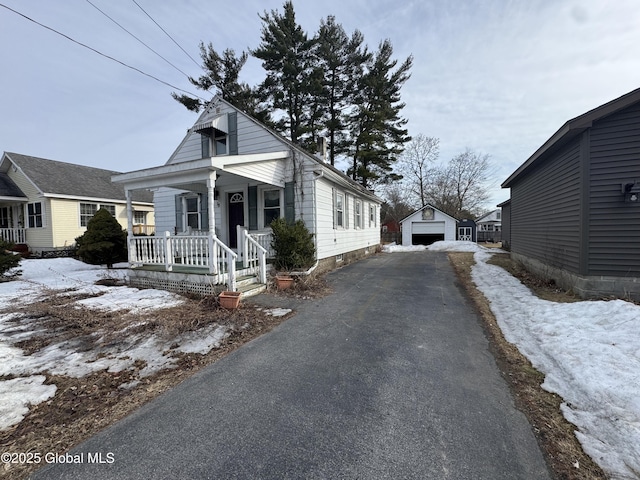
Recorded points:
(249, 285)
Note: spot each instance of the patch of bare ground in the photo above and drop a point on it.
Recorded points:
(83, 406)
(313, 285)
(555, 434)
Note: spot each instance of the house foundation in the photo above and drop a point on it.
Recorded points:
(585, 286)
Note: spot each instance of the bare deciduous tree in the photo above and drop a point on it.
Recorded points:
(416, 166)
(461, 187)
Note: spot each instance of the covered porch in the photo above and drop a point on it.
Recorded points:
(12, 228)
(212, 219)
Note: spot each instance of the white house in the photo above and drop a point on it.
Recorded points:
(490, 226)
(218, 192)
(426, 226)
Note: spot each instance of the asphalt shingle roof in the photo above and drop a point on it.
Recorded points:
(62, 178)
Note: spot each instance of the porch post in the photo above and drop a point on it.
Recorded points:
(130, 243)
(211, 187)
(213, 247)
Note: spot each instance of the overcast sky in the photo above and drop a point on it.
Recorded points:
(496, 76)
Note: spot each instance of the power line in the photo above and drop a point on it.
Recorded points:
(165, 32)
(114, 21)
(100, 53)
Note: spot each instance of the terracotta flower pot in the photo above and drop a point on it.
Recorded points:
(284, 281)
(229, 300)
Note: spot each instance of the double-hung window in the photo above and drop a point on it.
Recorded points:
(88, 210)
(358, 213)
(34, 215)
(339, 210)
(192, 212)
(271, 206)
(372, 215)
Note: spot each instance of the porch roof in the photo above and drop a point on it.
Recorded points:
(197, 170)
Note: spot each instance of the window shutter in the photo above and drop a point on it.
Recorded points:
(233, 133)
(253, 207)
(289, 203)
(204, 146)
(178, 227)
(204, 212)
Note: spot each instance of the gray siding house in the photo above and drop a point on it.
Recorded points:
(574, 211)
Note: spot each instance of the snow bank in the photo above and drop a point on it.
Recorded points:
(590, 354)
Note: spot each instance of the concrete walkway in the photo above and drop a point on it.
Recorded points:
(389, 377)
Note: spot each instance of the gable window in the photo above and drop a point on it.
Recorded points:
(213, 138)
(358, 214)
(271, 206)
(339, 210)
(88, 210)
(220, 141)
(34, 215)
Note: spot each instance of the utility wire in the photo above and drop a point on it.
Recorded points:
(151, 49)
(100, 53)
(165, 32)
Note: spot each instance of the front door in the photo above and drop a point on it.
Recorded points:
(236, 216)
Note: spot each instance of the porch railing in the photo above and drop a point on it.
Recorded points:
(254, 255)
(13, 235)
(196, 251)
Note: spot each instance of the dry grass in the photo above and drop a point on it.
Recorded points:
(83, 406)
(313, 285)
(555, 434)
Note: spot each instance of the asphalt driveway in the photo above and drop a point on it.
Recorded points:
(388, 377)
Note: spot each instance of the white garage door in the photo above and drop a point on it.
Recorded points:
(427, 227)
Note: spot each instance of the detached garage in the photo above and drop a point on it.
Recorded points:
(426, 226)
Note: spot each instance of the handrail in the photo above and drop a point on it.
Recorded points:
(262, 255)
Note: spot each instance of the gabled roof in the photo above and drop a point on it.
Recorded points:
(428, 205)
(53, 178)
(573, 128)
(337, 174)
(488, 214)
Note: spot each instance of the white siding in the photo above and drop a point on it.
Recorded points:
(440, 223)
(334, 241)
(266, 172)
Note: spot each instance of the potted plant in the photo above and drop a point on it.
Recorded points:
(284, 281)
(293, 247)
(229, 300)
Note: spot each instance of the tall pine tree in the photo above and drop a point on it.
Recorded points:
(292, 80)
(342, 60)
(377, 129)
(222, 72)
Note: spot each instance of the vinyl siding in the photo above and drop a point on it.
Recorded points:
(545, 210)
(614, 226)
(37, 238)
(334, 241)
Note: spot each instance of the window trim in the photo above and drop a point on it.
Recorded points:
(357, 214)
(372, 215)
(261, 207)
(185, 211)
(35, 215)
(339, 211)
(106, 206)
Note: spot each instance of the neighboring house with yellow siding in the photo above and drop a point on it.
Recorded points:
(46, 204)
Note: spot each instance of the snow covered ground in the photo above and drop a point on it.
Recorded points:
(589, 352)
(67, 276)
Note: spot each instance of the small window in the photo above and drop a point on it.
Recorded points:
(339, 210)
(139, 218)
(339, 258)
(498, 215)
(358, 213)
(372, 215)
(34, 214)
(271, 206)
